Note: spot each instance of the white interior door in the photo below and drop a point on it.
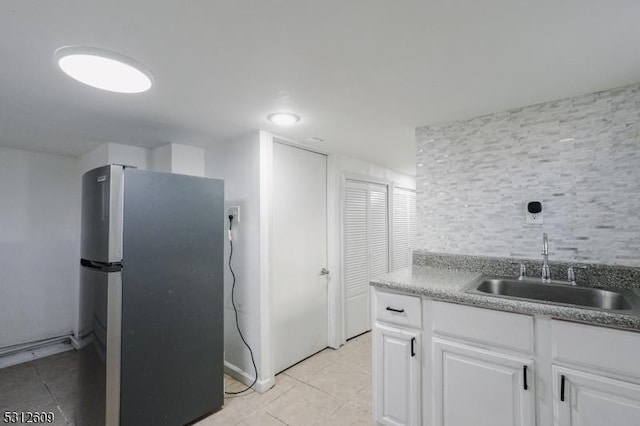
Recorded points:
(299, 253)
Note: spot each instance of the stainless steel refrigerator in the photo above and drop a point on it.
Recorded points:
(151, 298)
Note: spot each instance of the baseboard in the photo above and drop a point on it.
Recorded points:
(242, 376)
(30, 351)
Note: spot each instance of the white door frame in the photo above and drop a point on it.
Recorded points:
(266, 238)
(337, 315)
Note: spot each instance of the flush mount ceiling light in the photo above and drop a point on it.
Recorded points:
(104, 69)
(283, 118)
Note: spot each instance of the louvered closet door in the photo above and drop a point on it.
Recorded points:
(378, 231)
(366, 250)
(412, 224)
(403, 228)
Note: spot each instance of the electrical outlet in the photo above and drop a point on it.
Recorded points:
(534, 219)
(235, 212)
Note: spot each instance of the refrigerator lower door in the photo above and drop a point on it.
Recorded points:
(100, 340)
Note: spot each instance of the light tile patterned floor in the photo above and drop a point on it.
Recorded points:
(332, 387)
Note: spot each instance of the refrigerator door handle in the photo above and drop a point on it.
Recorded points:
(102, 267)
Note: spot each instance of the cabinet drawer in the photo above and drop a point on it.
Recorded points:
(398, 309)
(602, 348)
(485, 326)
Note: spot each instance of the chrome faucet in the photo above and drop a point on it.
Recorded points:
(546, 272)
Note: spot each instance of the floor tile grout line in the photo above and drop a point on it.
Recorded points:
(344, 401)
(281, 395)
(273, 417)
(55, 401)
(53, 397)
(311, 386)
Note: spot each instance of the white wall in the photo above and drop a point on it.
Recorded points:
(350, 166)
(187, 160)
(161, 158)
(39, 245)
(237, 162)
(176, 158)
(114, 153)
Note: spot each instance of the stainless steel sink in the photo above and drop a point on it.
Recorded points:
(624, 301)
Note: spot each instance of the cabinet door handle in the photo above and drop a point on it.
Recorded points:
(413, 350)
(524, 376)
(389, 308)
(562, 380)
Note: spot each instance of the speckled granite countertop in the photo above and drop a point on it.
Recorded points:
(450, 285)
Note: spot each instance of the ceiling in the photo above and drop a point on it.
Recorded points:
(362, 74)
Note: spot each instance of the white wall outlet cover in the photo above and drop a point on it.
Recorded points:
(534, 218)
(235, 212)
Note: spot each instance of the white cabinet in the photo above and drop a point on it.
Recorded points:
(474, 386)
(397, 359)
(482, 368)
(485, 367)
(396, 375)
(585, 399)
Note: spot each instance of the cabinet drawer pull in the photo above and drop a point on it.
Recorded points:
(524, 376)
(413, 350)
(562, 379)
(389, 308)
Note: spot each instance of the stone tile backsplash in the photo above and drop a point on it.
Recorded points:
(579, 156)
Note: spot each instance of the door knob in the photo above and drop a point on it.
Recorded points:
(324, 271)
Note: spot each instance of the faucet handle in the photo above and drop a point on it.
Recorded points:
(571, 275)
(546, 273)
(523, 270)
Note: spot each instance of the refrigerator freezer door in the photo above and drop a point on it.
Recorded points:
(99, 355)
(102, 190)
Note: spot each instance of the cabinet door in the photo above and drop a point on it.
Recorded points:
(478, 387)
(587, 399)
(396, 376)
